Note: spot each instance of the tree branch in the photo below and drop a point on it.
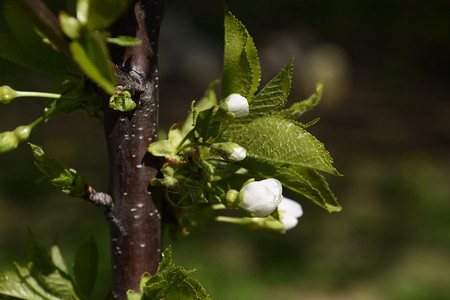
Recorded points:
(135, 221)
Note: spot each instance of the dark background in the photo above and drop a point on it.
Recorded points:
(384, 119)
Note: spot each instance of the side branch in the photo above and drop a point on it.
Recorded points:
(98, 198)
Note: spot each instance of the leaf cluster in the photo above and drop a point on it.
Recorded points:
(46, 275)
(277, 144)
(169, 282)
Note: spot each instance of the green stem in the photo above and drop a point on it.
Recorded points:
(37, 121)
(37, 94)
(225, 219)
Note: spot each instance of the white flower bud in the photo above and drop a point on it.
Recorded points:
(261, 198)
(290, 211)
(237, 105)
(238, 154)
(232, 150)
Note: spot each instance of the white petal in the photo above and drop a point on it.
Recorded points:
(290, 207)
(289, 221)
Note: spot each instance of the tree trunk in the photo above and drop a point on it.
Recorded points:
(135, 220)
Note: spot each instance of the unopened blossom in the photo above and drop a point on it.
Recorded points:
(237, 104)
(238, 154)
(231, 150)
(261, 198)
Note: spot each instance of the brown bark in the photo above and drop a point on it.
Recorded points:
(135, 220)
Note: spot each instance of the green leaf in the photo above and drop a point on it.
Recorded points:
(273, 97)
(91, 54)
(25, 46)
(169, 282)
(65, 179)
(100, 14)
(166, 260)
(85, 267)
(276, 140)
(71, 26)
(168, 148)
(13, 285)
(44, 276)
(124, 41)
(241, 69)
(12, 50)
(122, 101)
(57, 258)
(303, 180)
(299, 108)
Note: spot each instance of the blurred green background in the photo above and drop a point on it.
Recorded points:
(384, 118)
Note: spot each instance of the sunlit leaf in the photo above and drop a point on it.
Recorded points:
(241, 69)
(281, 141)
(91, 62)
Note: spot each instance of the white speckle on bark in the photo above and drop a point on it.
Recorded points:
(142, 245)
(125, 193)
(133, 209)
(140, 205)
(139, 166)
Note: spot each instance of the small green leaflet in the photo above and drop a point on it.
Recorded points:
(122, 101)
(65, 179)
(241, 69)
(170, 282)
